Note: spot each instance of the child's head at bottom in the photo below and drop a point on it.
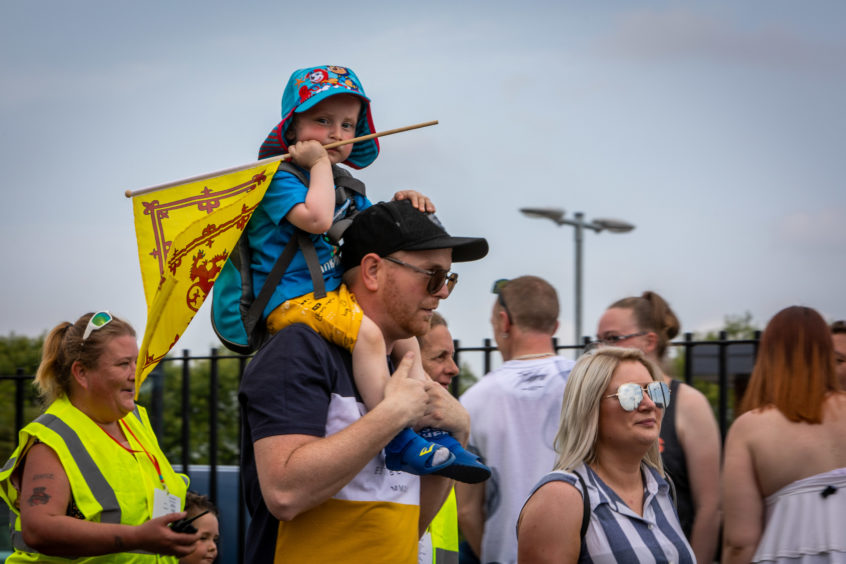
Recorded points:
(207, 526)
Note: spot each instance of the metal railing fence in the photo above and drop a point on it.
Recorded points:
(724, 368)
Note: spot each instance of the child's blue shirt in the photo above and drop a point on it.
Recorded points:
(269, 231)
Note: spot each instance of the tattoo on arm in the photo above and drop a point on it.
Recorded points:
(44, 477)
(39, 497)
(119, 545)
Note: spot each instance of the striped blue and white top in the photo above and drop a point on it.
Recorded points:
(618, 534)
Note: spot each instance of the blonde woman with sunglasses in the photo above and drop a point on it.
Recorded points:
(88, 481)
(606, 499)
(690, 437)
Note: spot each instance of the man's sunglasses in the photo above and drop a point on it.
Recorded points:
(97, 321)
(630, 395)
(497, 289)
(437, 276)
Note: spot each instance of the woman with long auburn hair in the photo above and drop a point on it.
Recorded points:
(784, 474)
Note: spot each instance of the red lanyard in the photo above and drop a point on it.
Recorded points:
(150, 456)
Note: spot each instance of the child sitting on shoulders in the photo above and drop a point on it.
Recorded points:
(323, 105)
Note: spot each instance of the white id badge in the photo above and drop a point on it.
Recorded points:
(164, 503)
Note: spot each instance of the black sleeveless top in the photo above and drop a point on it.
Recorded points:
(674, 461)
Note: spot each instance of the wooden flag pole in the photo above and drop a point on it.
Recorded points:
(130, 193)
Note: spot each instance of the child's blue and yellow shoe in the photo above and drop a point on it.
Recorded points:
(409, 452)
(467, 467)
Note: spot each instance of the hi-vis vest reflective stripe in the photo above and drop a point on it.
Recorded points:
(444, 531)
(107, 483)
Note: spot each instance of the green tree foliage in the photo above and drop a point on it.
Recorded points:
(736, 327)
(17, 353)
(168, 405)
(466, 378)
(24, 353)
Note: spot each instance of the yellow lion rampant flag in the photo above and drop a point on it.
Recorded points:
(185, 234)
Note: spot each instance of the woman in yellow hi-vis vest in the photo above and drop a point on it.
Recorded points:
(88, 478)
(439, 544)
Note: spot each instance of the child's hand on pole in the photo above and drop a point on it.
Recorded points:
(308, 153)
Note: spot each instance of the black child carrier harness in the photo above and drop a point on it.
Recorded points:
(237, 311)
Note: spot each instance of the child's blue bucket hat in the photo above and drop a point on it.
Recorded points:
(309, 86)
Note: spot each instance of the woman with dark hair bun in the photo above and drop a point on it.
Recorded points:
(784, 475)
(690, 438)
(88, 478)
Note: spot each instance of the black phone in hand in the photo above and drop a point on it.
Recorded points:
(184, 525)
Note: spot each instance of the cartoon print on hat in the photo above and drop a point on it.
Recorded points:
(319, 80)
(317, 77)
(308, 87)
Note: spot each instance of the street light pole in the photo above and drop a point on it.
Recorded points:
(577, 309)
(597, 225)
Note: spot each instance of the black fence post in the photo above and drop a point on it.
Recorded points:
(722, 379)
(453, 384)
(242, 513)
(487, 356)
(213, 405)
(585, 343)
(186, 410)
(688, 358)
(157, 400)
(19, 400)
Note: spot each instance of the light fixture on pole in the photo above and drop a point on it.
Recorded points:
(600, 224)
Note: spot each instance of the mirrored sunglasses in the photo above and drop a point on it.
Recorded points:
(630, 395)
(97, 321)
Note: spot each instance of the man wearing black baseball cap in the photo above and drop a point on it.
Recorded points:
(326, 493)
(393, 226)
(400, 244)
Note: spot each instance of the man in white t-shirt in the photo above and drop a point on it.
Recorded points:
(514, 413)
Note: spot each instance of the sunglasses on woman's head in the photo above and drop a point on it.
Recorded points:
(97, 321)
(630, 395)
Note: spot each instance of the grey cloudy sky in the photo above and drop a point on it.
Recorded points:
(717, 128)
